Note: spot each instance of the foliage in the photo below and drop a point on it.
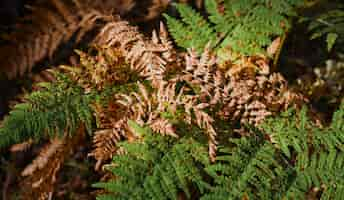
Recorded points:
(318, 161)
(181, 125)
(299, 158)
(328, 24)
(57, 109)
(246, 26)
(51, 25)
(157, 168)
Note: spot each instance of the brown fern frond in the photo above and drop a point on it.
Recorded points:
(41, 174)
(148, 57)
(167, 99)
(106, 68)
(104, 143)
(44, 156)
(247, 92)
(145, 107)
(254, 97)
(203, 120)
(49, 26)
(201, 71)
(112, 124)
(164, 127)
(140, 107)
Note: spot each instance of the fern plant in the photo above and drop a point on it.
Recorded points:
(59, 107)
(329, 25)
(193, 101)
(157, 167)
(246, 27)
(317, 153)
(289, 158)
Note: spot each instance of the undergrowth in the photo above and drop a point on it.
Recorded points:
(298, 159)
(216, 121)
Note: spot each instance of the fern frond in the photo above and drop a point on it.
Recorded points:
(58, 108)
(291, 159)
(42, 159)
(322, 172)
(329, 24)
(103, 70)
(22, 146)
(147, 57)
(51, 25)
(246, 27)
(247, 169)
(193, 25)
(163, 166)
(253, 98)
(105, 143)
(318, 153)
(41, 175)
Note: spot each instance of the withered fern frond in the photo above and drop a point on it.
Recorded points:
(148, 57)
(41, 175)
(48, 27)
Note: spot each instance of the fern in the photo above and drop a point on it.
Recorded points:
(193, 31)
(298, 158)
(328, 24)
(58, 108)
(318, 153)
(246, 27)
(50, 26)
(157, 168)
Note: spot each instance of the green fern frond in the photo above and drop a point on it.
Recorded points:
(297, 158)
(318, 153)
(163, 166)
(338, 119)
(300, 134)
(246, 27)
(59, 108)
(250, 168)
(323, 171)
(330, 25)
(192, 24)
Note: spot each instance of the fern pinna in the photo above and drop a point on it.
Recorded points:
(246, 27)
(291, 159)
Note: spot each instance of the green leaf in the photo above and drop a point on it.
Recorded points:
(331, 40)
